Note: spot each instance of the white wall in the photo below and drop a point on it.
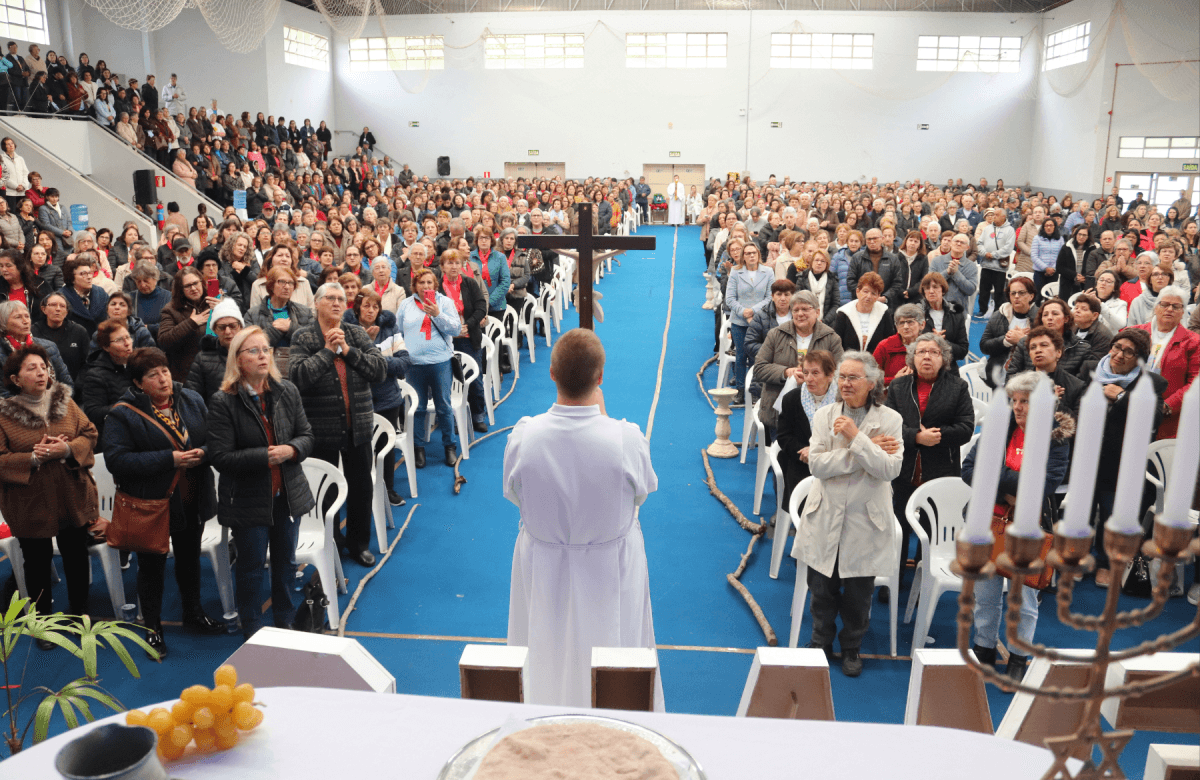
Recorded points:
(608, 119)
(1071, 145)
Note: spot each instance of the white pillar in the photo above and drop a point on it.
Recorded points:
(68, 43)
(147, 56)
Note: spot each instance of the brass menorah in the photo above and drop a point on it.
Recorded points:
(1070, 557)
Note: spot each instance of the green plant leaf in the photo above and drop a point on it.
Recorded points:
(97, 693)
(87, 647)
(15, 606)
(41, 719)
(68, 711)
(113, 636)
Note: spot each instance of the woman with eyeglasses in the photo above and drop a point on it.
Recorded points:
(260, 435)
(1174, 353)
(1141, 309)
(184, 321)
(1011, 323)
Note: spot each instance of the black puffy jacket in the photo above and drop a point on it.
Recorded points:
(104, 383)
(239, 453)
(208, 369)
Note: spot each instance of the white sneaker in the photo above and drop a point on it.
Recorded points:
(1193, 596)
(707, 305)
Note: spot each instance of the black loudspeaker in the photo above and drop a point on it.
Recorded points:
(443, 166)
(144, 191)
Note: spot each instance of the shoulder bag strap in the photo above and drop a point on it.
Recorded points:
(170, 438)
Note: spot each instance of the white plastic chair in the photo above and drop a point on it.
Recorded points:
(383, 441)
(764, 463)
(404, 439)
(489, 378)
(493, 331)
(110, 559)
(547, 300)
(724, 359)
(458, 400)
(800, 593)
(1159, 458)
(510, 340)
(981, 410)
(1050, 290)
(214, 543)
(943, 501)
(972, 373)
(782, 520)
(753, 431)
(315, 546)
(966, 448)
(525, 320)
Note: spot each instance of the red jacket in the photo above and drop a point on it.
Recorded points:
(1129, 291)
(1180, 365)
(891, 354)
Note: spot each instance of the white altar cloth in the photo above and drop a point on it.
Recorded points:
(320, 733)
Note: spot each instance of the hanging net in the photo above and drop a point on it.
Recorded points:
(143, 15)
(240, 25)
(348, 17)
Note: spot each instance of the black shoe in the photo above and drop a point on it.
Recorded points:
(885, 594)
(364, 558)
(986, 655)
(827, 648)
(394, 498)
(1017, 664)
(852, 664)
(202, 624)
(154, 638)
(481, 426)
(125, 554)
(44, 644)
(451, 455)
(419, 457)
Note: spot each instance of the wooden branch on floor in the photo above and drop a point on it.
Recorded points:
(763, 623)
(737, 573)
(711, 481)
(367, 577)
(459, 479)
(700, 380)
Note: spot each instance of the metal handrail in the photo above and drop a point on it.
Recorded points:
(104, 191)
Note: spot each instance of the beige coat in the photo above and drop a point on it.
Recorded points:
(848, 515)
(59, 493)
(1024, 261)
(778, 354)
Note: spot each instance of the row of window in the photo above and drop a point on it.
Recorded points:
(1179, 148)
(24, 20)
(849, 51)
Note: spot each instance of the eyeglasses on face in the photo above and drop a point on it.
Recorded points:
(1171, 306)
(1126, 351)
(256, 351)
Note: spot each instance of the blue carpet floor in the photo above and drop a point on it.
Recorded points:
(447, 583)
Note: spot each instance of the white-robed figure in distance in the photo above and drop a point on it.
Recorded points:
(579, 575)
(676, 196)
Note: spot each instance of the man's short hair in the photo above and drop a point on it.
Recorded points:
(1091, 301)
(577, 362)
(1041, 330)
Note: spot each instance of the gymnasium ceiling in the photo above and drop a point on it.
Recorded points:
(397, 7)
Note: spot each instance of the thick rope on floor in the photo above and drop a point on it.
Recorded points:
(367, 577)
(757, 531)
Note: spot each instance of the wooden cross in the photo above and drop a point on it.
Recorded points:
(585, 243)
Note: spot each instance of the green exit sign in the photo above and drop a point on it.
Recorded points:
(1191, 167)
(533, 152)
(414, 124)
(674, 154)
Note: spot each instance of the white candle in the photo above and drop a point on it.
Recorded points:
(989, 460)
(1139, 427)
(1181, 485)
(1031, 486)
(1086, 449)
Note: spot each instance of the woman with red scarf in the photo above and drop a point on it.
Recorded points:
(471, 303)
(429, 323)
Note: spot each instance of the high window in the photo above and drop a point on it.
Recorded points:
(1067, 46)
(24, 20)
(305, 49)
(969, 53)
(676, 50)
(822, 50)
(1182, 148)
(419, 52)
(522, 52)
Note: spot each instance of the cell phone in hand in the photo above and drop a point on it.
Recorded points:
(214, 288)
(428, 296)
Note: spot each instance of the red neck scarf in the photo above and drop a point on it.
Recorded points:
(378, 291)
(483, 263)
(18, 344)
(454, 290)
(427, 324)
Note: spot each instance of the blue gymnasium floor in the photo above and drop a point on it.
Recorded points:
(447, 583)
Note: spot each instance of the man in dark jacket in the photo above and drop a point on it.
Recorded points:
(367, 141)
(208, 369)
(643, 199)
(150, 95)
(333, 365)
(875, 257)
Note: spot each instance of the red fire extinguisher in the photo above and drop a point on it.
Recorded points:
(160, 216)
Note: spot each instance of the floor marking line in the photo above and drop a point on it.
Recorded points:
(500, 641)
(662, 358)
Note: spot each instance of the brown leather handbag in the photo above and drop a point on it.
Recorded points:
(1000, 524)
(143, 524)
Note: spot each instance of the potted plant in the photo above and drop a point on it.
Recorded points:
(81, 637)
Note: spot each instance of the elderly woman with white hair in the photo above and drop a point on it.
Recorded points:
(16, 331)
(390, 293)
(989, 606)
(845, 533)
(1174, 354)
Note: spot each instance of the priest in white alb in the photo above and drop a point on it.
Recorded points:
(579, 576)
(675, 201)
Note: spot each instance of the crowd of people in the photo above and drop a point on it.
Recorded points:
(853, 304)
(246, 346)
